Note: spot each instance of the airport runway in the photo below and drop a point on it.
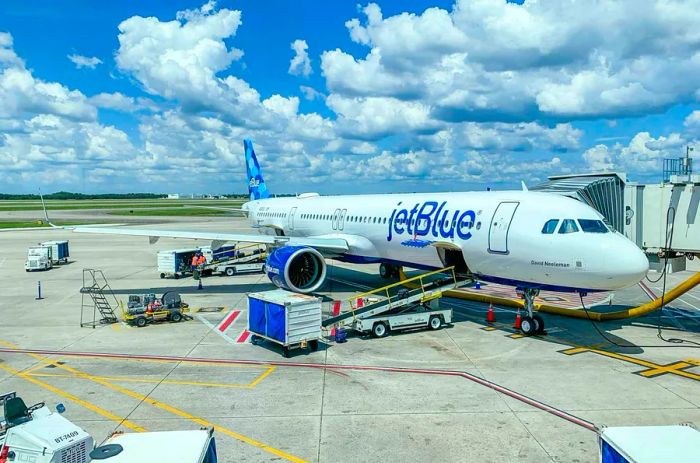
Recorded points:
(418, 396)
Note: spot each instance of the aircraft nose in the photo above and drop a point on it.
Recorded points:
(632, 264)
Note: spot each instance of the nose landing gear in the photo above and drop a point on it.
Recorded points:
(531, 323)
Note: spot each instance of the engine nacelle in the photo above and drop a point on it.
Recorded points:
(296, 268)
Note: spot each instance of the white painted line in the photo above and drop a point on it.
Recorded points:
(213, 328)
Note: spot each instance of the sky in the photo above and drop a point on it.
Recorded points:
(340, 97)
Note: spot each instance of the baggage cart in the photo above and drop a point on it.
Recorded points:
(59, 251)
(288, 319)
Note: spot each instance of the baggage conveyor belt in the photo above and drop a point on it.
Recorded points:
(422, 292)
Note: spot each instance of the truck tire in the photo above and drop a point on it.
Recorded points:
(385, 271)
(313, 345)
(162, 275)
(141, 322)
(176, 317)
(435, 322)
(230, 271)
(176, 276)
(380, 330)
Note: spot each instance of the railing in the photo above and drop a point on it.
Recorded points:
(385, 289)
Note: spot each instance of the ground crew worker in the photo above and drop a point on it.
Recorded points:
(194, 261)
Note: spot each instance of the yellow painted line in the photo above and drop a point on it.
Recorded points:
(79, 401)
(695, 362)
(262, 376)
(649, 365)
(489, 328)
(147, 380)
(575, 350)
(170, 409)
(664, 369)
(516, 335)
(183, 414)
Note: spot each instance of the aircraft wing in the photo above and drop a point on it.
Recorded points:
(337, 245)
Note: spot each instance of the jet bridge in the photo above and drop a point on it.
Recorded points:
(396, 295)
(662, 219)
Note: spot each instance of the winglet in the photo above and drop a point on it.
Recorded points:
(522, 183)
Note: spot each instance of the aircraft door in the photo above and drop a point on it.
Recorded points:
(292, 212)
(500, 225)
(335, 219)
(341, 219)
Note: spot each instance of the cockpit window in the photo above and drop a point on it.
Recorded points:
(550, 226)
(568, 226)
(592, 226)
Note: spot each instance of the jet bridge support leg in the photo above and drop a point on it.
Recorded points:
(531, 323)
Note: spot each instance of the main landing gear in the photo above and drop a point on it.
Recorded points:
(531, 323)
(387, 271)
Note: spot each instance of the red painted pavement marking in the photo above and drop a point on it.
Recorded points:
(243, 337)
(226, 322)
(647, 290)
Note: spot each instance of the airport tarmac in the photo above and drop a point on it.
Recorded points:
(277, 409)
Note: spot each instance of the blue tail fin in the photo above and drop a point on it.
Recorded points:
(256, 185)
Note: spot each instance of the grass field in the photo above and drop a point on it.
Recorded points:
(67, 205)
(171, 211)
(35, 224)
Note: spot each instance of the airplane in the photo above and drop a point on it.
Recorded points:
(531, 240)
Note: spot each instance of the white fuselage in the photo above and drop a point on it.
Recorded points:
(499, 234)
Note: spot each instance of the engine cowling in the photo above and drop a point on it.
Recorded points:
(296, 268)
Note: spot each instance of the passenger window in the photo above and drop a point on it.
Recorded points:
(550, 226)
(592, 226)
(568, 226)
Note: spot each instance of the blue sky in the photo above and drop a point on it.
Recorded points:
(340, 97)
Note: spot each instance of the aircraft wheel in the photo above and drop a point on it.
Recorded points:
(527, 326)
(539, 324)
(385, 271)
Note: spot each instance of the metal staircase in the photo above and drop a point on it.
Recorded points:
(100, 299)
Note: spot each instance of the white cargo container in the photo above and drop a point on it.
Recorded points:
(175, 262)
(38, 258)
(59, 250)
(289, 319)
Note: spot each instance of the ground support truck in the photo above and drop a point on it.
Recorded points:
(147, 308)
(175, 262)
(288, 319)
(38, 435)
(38, 258)
(412, 316)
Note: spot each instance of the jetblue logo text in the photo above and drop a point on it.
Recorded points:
(431, 219)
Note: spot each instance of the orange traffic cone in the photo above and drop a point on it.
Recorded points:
(516, 325)
(490, 315)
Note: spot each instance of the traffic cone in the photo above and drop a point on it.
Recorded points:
(490, 315)
(335, 313)
(360, 302)
(518, 319)
(199, 286)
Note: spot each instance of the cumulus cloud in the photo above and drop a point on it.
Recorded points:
(499, 61)
(310, 93)
(81, 61)
(300, 63)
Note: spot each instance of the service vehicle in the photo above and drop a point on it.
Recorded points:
(40, 435)
(291, 320)
(38, 258)
(649, 444)
(147, 308)
(197, 446)
(59, 251)
(425, 315)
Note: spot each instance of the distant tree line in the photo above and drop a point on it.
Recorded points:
(78, 196)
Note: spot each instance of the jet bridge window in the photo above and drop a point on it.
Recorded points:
(568, 226)
(550, 226)
(592, 226)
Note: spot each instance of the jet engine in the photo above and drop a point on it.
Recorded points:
(296, 268)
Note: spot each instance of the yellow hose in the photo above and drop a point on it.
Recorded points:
(643, 309)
